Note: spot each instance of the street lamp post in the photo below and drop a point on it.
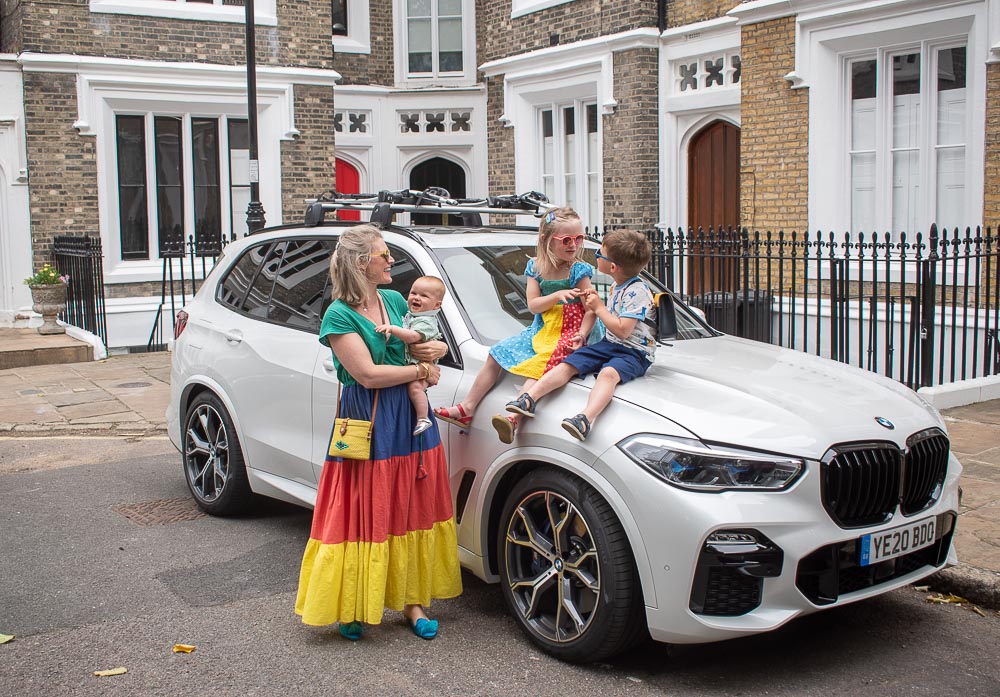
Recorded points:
(255, 210)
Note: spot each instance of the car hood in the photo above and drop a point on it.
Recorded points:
(740, 392)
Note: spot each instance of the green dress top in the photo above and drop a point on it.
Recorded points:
(341, 319)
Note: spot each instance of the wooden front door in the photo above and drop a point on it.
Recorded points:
(713, 201)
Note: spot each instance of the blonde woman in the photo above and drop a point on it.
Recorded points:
(381, 537)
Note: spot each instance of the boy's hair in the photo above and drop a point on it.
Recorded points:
(551, 222)
(434, 283)
(630, 249)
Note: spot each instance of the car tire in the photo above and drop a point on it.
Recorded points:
(575, 593)
(212, 458)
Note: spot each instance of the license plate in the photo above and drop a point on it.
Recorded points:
(888, 544)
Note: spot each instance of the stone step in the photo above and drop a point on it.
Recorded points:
(23, 347)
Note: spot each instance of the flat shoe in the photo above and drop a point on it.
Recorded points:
(506, 427)
(462, 421)
(352, 630)
(578, 426)
(523, 405)
(425, 628)
(421, 426)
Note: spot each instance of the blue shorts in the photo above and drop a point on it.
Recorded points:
(630, 363)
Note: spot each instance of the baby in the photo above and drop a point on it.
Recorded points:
(419, 324)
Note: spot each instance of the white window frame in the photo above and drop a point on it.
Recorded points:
(265, 11)
(520, 8)
(583, 169)
(402, 63)
(927, 145)
(826, 38)
(226, 220)
(358, 37)
(108, 86)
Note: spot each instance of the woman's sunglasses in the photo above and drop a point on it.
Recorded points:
(386, 255)
(567, 240)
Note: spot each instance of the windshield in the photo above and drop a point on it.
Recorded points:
(490, 285)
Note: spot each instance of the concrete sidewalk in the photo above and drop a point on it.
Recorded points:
(127, 396)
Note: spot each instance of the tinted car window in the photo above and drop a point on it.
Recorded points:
(297, 298)
(257, 300)
(233, 288)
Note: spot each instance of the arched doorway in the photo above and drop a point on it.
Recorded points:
(713, 201)
(348, 182)
(443, 173)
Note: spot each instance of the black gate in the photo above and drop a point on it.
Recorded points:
(80, 258)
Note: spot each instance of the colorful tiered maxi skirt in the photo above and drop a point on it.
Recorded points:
(544, 344)
(381, 537)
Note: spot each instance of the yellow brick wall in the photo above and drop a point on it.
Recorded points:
(774, 139)
(682, 12)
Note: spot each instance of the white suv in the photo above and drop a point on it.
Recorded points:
(736, 486)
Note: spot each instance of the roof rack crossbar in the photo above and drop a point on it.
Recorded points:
(435, 200)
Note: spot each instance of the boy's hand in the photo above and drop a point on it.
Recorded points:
(577, 341)
(384, 329)
(593, 301)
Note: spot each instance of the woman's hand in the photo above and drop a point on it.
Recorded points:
(429, 351)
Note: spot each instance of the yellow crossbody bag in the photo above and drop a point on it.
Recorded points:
(352, 438)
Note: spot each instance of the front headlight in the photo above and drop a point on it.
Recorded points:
(693, 465)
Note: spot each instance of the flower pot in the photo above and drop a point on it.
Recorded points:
(48, 301)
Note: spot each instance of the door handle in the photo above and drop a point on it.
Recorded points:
(328, 365)
(233, 335)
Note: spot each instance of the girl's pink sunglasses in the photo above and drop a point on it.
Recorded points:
(567, 240)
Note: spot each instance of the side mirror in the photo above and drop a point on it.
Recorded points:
(666, 318)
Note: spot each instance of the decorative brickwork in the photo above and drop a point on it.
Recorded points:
(991, 191)
(376, 68)
(991, 194)
(500, 140)
(302, 37)
(10, 25)
(500, 36)
(631, 143)
(681, 12)
(774, 138)
(307, 164)
(62, 165)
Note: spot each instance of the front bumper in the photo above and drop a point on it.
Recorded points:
(798, 562)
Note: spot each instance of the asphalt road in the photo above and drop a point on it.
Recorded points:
(105, 563)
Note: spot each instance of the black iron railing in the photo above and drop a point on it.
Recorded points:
(923, 309)
(184, 265)
(80, 258)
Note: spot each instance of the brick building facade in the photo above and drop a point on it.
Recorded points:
(770, 114)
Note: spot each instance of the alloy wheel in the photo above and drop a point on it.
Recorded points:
(206, 452)
(553, 566)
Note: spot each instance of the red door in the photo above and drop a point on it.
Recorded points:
(348, 182)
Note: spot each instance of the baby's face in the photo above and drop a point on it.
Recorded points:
(423, 297)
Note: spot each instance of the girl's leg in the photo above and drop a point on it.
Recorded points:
(555, 378)
(484, 382)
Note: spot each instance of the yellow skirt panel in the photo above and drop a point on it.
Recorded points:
(356, 581)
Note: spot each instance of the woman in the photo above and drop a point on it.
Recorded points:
(381, 537)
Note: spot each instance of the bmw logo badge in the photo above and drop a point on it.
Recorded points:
(884, 422)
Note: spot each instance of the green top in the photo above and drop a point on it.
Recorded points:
(341, 319)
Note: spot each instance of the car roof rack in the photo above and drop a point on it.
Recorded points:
(433, 200)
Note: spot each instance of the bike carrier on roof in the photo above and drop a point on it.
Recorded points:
(434, 200)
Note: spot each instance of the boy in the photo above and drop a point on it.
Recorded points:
(419, 324)
(627, 349)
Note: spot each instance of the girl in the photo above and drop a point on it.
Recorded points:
(556, 281)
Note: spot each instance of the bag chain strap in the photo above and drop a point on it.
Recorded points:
(371, 424)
